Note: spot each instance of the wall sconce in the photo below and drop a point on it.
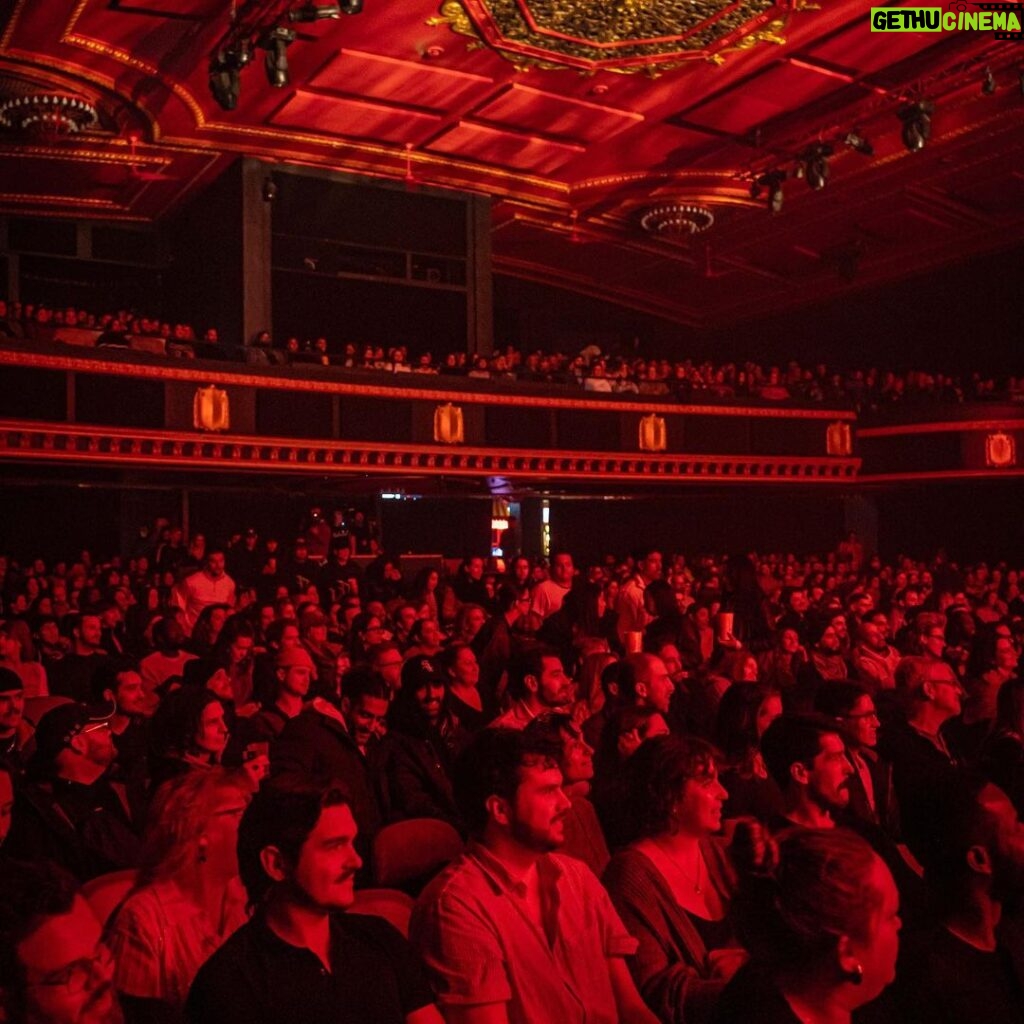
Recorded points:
(653, 435)
(839, 439)
(1000, 450)
(210, 409)
(448, 426)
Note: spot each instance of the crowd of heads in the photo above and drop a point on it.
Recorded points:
(622, 370)
(244, 719)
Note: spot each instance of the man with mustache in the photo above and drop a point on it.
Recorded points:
(807, 758)
(54, 967)
(511, 932)
(301, 957)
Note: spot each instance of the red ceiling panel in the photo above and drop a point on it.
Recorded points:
(339, 115)
(421, 85)
(550, 114)
(505, 148)
(861, 51)
(762, 98)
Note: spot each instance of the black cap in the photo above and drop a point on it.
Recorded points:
(420, 671)
(60, 725)
(10, 681)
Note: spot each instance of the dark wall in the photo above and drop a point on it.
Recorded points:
(204, 280)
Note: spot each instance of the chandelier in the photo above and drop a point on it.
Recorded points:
(677, 220)
(53, 114)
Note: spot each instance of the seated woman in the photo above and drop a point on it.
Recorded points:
(464, 699)
(189, 733)
(188, 899)
(672, 886)
(820, 917)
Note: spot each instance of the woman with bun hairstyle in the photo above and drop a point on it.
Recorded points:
(819, 913)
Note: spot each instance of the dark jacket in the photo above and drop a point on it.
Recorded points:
(314, 744)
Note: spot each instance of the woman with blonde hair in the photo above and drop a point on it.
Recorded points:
(188, 899)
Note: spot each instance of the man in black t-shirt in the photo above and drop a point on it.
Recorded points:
(301, 958)
(970, 965)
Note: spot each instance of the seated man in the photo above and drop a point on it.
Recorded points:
(970, 964)
(15, 732)
(68, 811)
(301, 958)
(511, 932)
(54, 969)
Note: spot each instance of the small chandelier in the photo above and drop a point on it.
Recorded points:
(52, 114)
(677, 220)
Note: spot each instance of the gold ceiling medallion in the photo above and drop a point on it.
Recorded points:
(629, 36)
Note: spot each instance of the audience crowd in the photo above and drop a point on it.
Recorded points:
(625, 371)
(665, 787)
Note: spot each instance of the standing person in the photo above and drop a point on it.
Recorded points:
(820, 917)
(549, 594)
(633, 614)
(512, 932)
(210, 585)
(188, 898)
(301, 957)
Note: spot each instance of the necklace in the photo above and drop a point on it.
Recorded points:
(690, 880)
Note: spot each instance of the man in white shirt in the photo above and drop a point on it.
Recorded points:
(633, 616)
(210, 585)
(549, 594)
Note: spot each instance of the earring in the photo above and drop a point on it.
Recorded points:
(855, 976)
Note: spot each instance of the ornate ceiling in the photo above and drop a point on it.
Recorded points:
(576, 118)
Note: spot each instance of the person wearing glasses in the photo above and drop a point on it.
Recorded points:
(924, 767)
(54, 966)
(68, 811)
(872, 796)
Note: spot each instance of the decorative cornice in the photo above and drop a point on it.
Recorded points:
(111, 446)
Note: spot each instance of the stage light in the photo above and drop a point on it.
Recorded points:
(772, 182)
(988, 83)
(917, 124)
(225, 77)
(351, 6)
(858, 142)
(276, 43)
(816, 169)
(315, 12)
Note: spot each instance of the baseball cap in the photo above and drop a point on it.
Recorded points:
(419, 671)
(10, 681)
(60, 725)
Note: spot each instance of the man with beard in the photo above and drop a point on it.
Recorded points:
(873, 659)
(301, 957)
(68, 811)
(512, 932)
(970, 965)
(806, 757)
(210, 585)
(537, 682)
(54, 967)
(72, 675)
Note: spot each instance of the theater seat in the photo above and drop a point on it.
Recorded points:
(105, 893)
(407, 854)
(393, 905)
(36, 707)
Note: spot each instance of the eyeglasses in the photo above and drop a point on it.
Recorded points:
(76, 976)
(864, 714)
